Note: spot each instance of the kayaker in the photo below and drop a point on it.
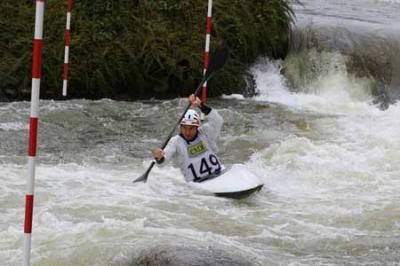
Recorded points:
(195, 146)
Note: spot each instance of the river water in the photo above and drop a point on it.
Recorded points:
(329, 158)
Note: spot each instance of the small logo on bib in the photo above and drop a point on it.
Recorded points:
(196, 149)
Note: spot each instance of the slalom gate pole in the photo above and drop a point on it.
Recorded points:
(66, 51)
(33, 127)
(207, 48)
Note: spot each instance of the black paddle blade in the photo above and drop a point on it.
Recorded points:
(143, 178)
(218, 59)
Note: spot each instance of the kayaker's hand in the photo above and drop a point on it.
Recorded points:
(158, 154)
(195, 101)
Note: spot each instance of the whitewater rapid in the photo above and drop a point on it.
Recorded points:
(328, 160)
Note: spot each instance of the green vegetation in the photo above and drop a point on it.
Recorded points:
(130, 49)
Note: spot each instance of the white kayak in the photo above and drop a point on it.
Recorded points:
(236, 182)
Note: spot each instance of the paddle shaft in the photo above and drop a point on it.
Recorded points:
(217, 62)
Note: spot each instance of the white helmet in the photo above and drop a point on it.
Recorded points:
(191, 118)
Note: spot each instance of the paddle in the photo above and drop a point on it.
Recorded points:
(218, 59)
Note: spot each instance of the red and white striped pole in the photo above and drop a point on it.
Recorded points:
(207, 49)
(66, 51)
(33, 127)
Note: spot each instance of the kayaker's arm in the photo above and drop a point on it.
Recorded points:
(215, 120)
(158, 155)
(196, 102)
(161, 155)
(214, 125)
(205, 109)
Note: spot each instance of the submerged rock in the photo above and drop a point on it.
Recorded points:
(189, 255)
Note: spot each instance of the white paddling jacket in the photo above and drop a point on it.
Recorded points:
(197, 159)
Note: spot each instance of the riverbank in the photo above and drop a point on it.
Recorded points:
(138, 49)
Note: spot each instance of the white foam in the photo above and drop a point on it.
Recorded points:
(350, 167)
(14, 126)
(333, 92)
(232, 96)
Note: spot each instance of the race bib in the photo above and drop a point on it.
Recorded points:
(197, 149)
(204, 166)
